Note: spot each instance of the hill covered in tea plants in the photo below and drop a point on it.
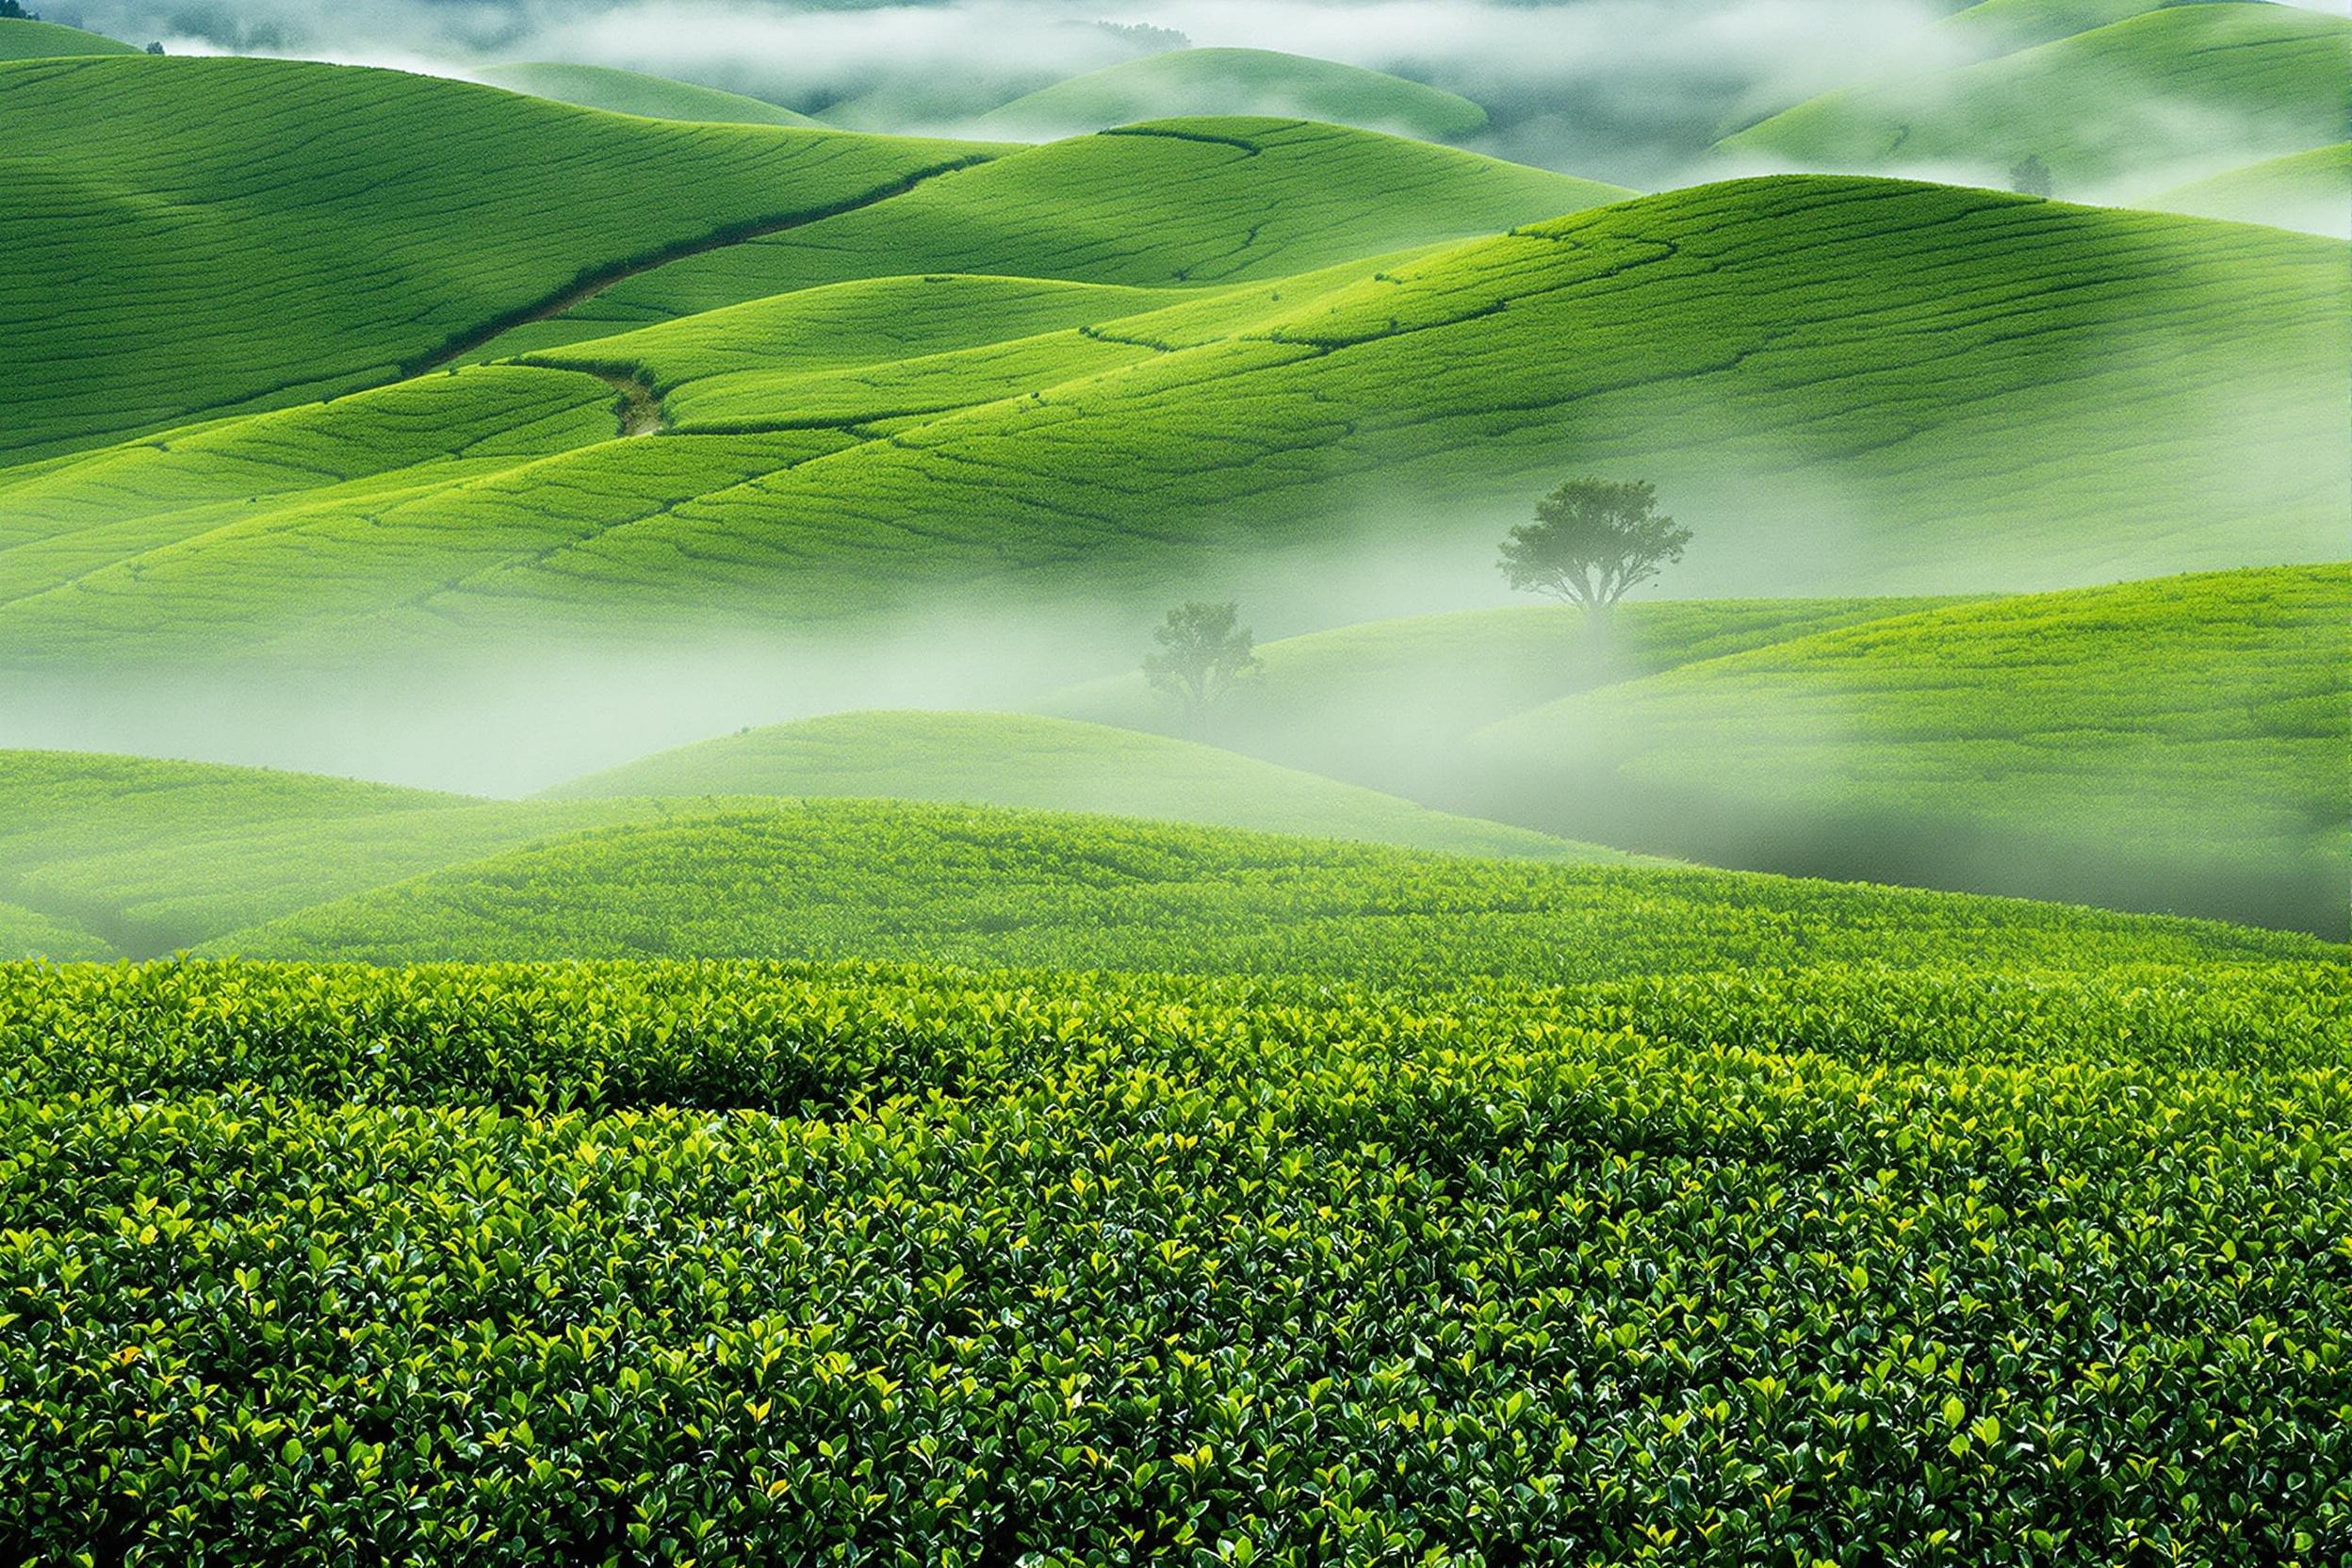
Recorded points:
(2126, 106)
(2312, 191)
(2178, 744)
(25, 39)
(604, 87)
(1053, 764)
(1926, 348)
(192, 237)
(996, 887)
(1190, 82)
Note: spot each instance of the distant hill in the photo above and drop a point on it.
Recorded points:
(602, 87)
(906, 882)
(1055, 764)
(21, 40)
(192, 237)
(2120, 108)
(1189, 82)
(2312, 191)
(2175, 743)
(28, 934)
(1951, 376)
(2006, 27)
(1176, 204)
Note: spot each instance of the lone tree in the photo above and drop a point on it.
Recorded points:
(1202, 655)
(2030, 176)
(1592, 540)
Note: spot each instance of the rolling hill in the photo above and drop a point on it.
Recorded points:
(157, 855)
(1196, 82)
(1166, 204)
(892, 880)
(1390, 703)
(1847, 386)
(22, 39)
(2117, 110)
(190, 237)
(2006, 26)
(604, 87)
(1053, 764)
(2312, 191)
(2176, 743)
(29, 934)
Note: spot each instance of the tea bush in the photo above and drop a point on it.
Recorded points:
(757, 1264)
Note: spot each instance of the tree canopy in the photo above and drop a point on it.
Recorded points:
(1592, 540)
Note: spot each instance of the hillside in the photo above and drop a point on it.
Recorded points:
(896, 881)
(192, 237)
(1979, 391)
(1389, 703)
(2006, 26)
(1168, 203)
(2312, 191)
(1053, 764)
(29, 934)
(1190, 82)
(603, 87)
(2121, 110)
(160, 855)
(21, 40)
(2176, 743)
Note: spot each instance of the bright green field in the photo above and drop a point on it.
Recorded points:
(2177, 743)
(29, 934)
(990, 887)
(1180, 203)
(2312, 191)
(38, 40)
(1980, 390)
(2123, 105)
(1186, 82)
(603, 87)
(191, 236)
(1053, 764)
(760, 1265)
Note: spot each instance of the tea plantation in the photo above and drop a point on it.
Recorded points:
(2176, 743)
(2125, 103)
(993, 887)
(274, 231)
(753, 1264)
(1722, 345)
(1186, 82)
(602, 87)
(22, 39)
(1055, 764)
(2302, 190)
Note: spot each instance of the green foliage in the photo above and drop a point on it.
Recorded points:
(1186, 82)
(210, 235)
(754, 1266)
(2175, 743)
(1202, 655)
(602, 87)
(876, 879)
(1910, 349)
(1591, 541)
(1058, 765)
(2125, 102)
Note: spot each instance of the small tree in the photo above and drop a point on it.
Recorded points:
(154, 48)
(2030, 176)
(1592, 540)
(1202, 656)
(11, 12)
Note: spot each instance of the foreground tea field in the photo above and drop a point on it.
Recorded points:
(749, 1265)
